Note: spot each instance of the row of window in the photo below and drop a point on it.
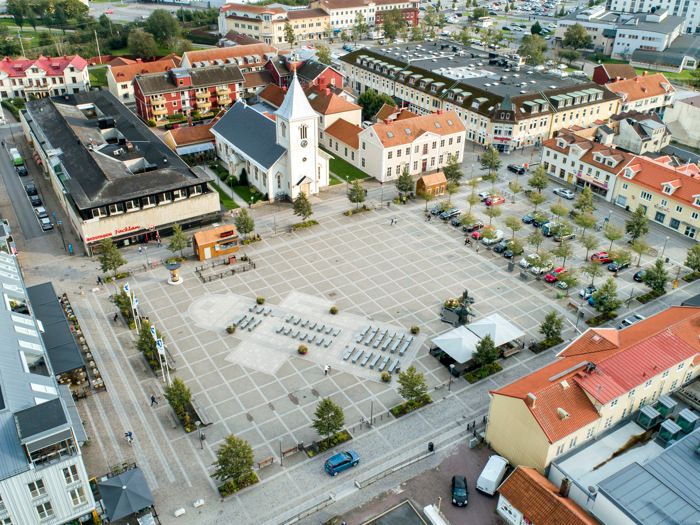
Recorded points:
(147, 202)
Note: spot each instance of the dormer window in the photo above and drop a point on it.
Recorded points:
(460, 99)
(629, 173)
(668, 189)
(696, 200)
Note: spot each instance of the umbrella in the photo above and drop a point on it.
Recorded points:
(500, 330)
(125, 494)
(459, 344)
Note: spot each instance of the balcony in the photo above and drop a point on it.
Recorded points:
(222, 100)
(157, 98)
(202, 94)
(204, 104)
(222, 90)
(159, 111)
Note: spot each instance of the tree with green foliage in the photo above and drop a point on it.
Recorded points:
(417, 34)
(536, 199)
(109, 257)
(427, 197)
(589, 242)
(371, 102)
(551, 326)
(514, 224)
(605, 299)
(473, 199)
(451, 189)
(453, 170)
(244, 222)
(570, 278)
(612, 233)
(323, 54)
(563, 250)
(576, 37)
(467, 219)
(585, 221)
(162, 25)
(328, 418)
(486, 351)
(302, 206)
(640, 247)
(393, 21)
(593, 270)
(179, 396)
(535, 239)
(404, 183)
(656, 277)
(356, 193)
(515, 187)
(289, 35)
(178, 240)
(538, 180)
(490, 161)
(569, 55)
(637, 225)
(234, 459)
(533, 48)
(479, 12)
(492, 212)
(558, 209)
(146, 344)
(412, 385)
(360, 28)
(465, 35)
(536, 28)
(584, 201)
(692, 259)
(18, 9)
(142, 44)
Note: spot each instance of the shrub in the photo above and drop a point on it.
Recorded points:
(386, 377)
(415, 330)
(599, 319)
(305, 224)
(545, 344)
(231, 486)
(484, 371)
(152, 122)
(693, 276)
(260, 300)
(410, 406)
(231, 329)
(333, 310)
(650, 296)
(302, 349)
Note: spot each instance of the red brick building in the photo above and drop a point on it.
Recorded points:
(183, 91)
(410, 15)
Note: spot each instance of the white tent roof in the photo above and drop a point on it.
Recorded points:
(459, 344)
(500, 330)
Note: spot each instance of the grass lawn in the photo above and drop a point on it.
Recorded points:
(333, 180)
(684, 76)
(227, 201)
(244, 193)
(344, 170)
(98, 76)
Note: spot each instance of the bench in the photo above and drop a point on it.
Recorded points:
(388, 341)
(363, 333)
(198, 503)
(403, 348)
(511, 351)
(288, 330)
(319, 341)
(296, 321)
(396, 344)
(238, 320)
(295, 334)
(379, 339)
(279, 329)
(383, 363)
(290, 451)
(370, 336)
(328, 330)
(357, 355)
(259, 309)
(573, 306)
(267, 311)
(328, 342)
(288, 318)
(302, 337)
(179, 512)
(251, 308)
(266, 462)
(393, 366)
(366, 358)
(347, 353)
(201, 414)
(312, 326)
(320, 327)
(311, 338)
(245, 323)
(336, 332)
(374, 361)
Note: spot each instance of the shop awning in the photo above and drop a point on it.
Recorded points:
(125, 494)
(500, 330)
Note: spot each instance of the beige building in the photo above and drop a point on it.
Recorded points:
(640, 133)
(600, 379)
(248, 57)
(644, 93)
(343, 13)
(669, 194)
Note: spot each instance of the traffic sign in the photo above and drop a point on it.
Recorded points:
(126, 287)
(160, 346)
(153, 332)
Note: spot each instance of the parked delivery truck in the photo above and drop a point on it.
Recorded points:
(492, 475)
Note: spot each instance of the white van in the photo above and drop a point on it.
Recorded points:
(492, 475)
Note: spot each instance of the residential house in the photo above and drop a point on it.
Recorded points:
(683, 119)
(321, 75)
(190, 140)
(604, 73)
(249, 57)
(598, 380)
(120, 79)
(644, 93)
(43, 76)
(434, 184)
(254, 83)
(181, 91)
(668, 193)
(641, 133)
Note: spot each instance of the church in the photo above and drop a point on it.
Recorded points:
(276, 151)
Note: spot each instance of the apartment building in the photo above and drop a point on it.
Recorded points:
(600, 379)
(497, 106)
(584, 162)
(668, 193)
(43, 77)
(248, 57)
(598, 23)
(343, 13)
(640, 133)
(647, 32)
(120, 79)
(42, 475)
(644, 93)
(118, 180)
(687, 10)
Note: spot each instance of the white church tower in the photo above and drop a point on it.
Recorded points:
(297, 131)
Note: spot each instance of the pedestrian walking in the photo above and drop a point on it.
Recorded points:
(140, 249)
(325, 370)
(154, 401)
(99, 280)
(329, 368)
(116, 316)
(466, 241)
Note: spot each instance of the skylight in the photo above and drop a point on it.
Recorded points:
(390, 134)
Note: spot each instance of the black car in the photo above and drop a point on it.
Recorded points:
(21, 170)
(35, 200)
(30, 189)
(501, 247)
(436, 210)
(538, 222)
(639, 276)
(448, 214)
(616, 266)
(456, 221)
(473, 227)
(460, 492)
(515, 168)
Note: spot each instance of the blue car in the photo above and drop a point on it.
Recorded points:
(591, 301)
(527, 219)
(341, 461)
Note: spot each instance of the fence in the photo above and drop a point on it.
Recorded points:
(238, 268)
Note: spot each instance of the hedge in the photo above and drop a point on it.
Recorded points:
(483, 372)
(231, 486)
(410, 406)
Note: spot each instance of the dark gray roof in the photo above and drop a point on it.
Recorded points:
(693, 301)
(60, 344)
(98, 177)
(683, 46)
(665, 26)
(201, 77)
(609, 33)
(251, 132)
(663, 491)
(310, 70)
(125, 494)
(40, 418)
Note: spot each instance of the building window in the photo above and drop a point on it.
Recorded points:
(613, 403)
(646, 196)
(148, 202)
(179, 194)
(363, 162)
(660, 217)
(132, 205)
(680, 366)
(388, 172)
(283, 129)
(99, 212)
(71, 474)
(165, 197)
(116, 209)
(608, 422)
(195, 190)
(36, 488)
(77, 496)
(304, 131)
(390, 155)
(674, 223)
(44, 510)
(590, 432)
(572, 443)
(665, 374)
(560, 449)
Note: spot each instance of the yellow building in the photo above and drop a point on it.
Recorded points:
(670, 195)
(601, 378)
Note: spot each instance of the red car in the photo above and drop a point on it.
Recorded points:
(601, 257)
(476, 235)
(109, 12)
(552, 276)
(493, 200)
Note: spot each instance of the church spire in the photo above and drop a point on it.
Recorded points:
(295, 106)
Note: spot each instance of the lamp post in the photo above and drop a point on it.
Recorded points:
(663, 250)
(250, 204)
(347, 183)
(449, 385)
(381, 195)
(198, 424)
(145, 251)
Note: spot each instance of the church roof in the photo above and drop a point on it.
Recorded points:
(252, 133)
(296, 105)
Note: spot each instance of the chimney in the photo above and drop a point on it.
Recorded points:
(644, 73)
(387, 121)
(636, 79)
(328, 92)
(530, 400)
(564, 487)
(138, 60)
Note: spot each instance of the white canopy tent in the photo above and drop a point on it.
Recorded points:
(459, 344)
(500, 330)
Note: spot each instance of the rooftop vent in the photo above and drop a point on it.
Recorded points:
(563, 414)
(564, 384)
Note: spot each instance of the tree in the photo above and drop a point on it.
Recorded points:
(404, 183)
(585, 221)
(568, 55)
(289, 35)
(162, 25)
(110, 257)
(536, 28)
(412, 385)
(570, 278)
(360, 28)
(536, 199)
(427, 197)
(465, 35)
(584, 201)
(178, 241)
(19, 10)
(558, 209)
(323, 54)
(490, 161)
(451, 189)
(417, 34)
(142, 44)
(514, 224)
(486, 351)
(656, 277)
(452, 170)
(637, 225)
(535, 239)
(605, 298)
(551, 326)
(692, 259)
(564, 250)
(393, 20)
(473, 199)
(515, 188)
(479, 12)
(695, 78)
(589, 242)
(612, 233)
(467, 219)
(302, 206)
(371, 102)
(146, 344)
(539, 179)
(356, 193)
(576, 37)
(177, 394)
(593, 270)
(329, 418)
(244, 222)
(234, 459)
(492, 212)
(640, 247)
(533, 48)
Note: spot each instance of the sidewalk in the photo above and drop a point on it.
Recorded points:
(223, 186)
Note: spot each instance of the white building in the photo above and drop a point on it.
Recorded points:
(647, 32)
(644, 93)
(343, 13)
(598, 23)
(43, 77)
(280, 157)
(683, 118)
(688, 10)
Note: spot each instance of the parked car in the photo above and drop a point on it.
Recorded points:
(553, 276)
(528, 261)
(492, 475)
(35, 200)
(473, 227)
(617, 266)
(509, 252)
(456, 221)
(498, 237)
(41, 212)
(629, 321)
(587, 291)
(484, 195)
(591, 301)
(21, 170)
(341, 461)
(436, 210)
(639, 276)
(564, 193)
(516, 168)
(528, 218)
(601, 257)
(549, 228)
(494, 200)
(460, 492)
(477, 235)
(30, 189)
(46, 224)
(541, 267)
(448, 214)
(538, 221)
(501, 246)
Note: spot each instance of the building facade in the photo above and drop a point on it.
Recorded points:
(43, 77)
(343, 13)
(648, 32)
(120, 79)
(248, 57)
(644, 93)
(641, 133)
(688, 10)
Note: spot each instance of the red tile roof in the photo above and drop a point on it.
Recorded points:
(187, 135)
(655, 173)
(345, 132)
(52, 66)
(223, 53)
(126, 73)
(623, 360)
(641, 87)
(539, 500)
(306, 13)
(323, 101)
(272, 94)
(404, 132)
(622, 71)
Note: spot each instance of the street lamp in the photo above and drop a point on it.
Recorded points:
(663, 250)
(198, 424)
(449, 385)
(347, 183)
(250, 205)
(145, 251)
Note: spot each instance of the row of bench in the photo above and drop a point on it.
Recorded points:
(250, 323)
(391, 342)
(371, 358)
(312, 325)
(259, 309)
(303, 336)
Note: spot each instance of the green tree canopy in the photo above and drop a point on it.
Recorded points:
(538, 180)
(178, 241)
(486, 351)
(551, 326)
(605, 298)
(110, 257)
(323, 54)
(692, 259)
(328, 418)
(244, 222)
(584, 201)
(533, 48)
(479, 12)
(404, 182)
(656, 277)
(142, 44)
(302, 206)
(576, 37)
(371, 102)
(536, 28)
(569, 55)
(490, 160)
(412, 385)
(637, 225)
(289, 35)
(234, 459)
(360, 28)
(452, 170)
(356, 193)
(162, 25)
(178, 395)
